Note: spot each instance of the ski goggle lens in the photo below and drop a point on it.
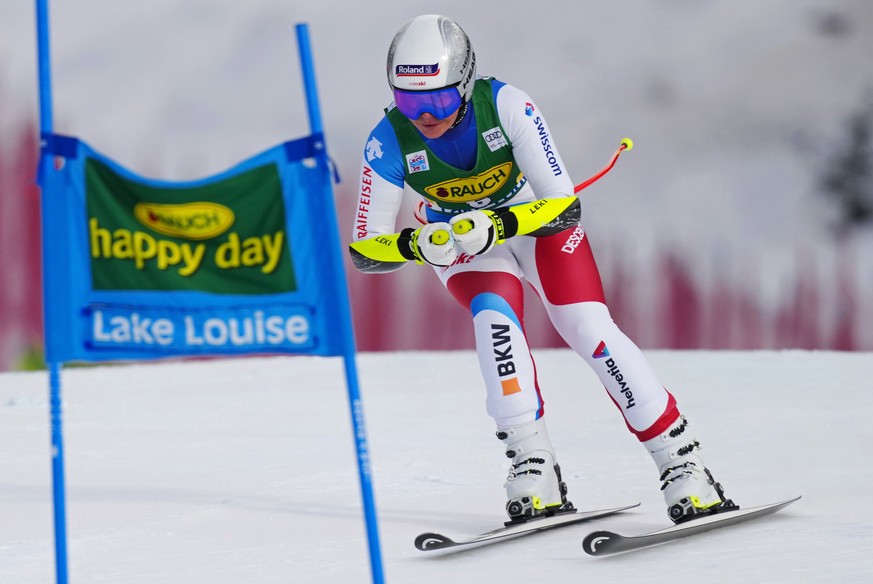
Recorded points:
(440, 103)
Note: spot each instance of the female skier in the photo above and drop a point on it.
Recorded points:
(500, 208)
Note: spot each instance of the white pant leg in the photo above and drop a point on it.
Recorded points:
(490, 286)
(619, 364)
(588, 328)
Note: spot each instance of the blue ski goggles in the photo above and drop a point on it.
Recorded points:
(440, 103)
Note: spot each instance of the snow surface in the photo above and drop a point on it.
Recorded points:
(243, 470)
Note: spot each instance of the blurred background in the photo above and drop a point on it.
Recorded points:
(742, 219)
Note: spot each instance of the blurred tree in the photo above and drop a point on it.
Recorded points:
(834, 24)
(849, 176)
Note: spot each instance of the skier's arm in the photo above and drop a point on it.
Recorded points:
(433, 243)
(538, 158)
(478, 231)
(533, 145)
(375, 246)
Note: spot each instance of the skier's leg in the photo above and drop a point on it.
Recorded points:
(490, 288)
(563, 271)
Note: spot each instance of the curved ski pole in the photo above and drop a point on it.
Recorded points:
(626, 144)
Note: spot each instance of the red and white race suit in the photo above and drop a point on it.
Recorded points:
(560, 267)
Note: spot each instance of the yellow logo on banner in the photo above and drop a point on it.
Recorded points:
(472, 188)
(189, 220)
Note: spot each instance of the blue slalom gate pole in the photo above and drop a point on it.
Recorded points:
(355, 403)
(46, 127)
(46, 122)
(58, 487)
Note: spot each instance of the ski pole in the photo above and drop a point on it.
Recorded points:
(441, 236)
(626, 144)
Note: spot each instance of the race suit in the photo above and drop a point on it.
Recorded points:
(501, 153)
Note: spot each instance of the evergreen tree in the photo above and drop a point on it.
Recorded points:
(849, 178)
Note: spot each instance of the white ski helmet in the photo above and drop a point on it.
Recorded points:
(432, 52)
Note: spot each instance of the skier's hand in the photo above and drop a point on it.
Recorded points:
(434, 244)
(476, 232)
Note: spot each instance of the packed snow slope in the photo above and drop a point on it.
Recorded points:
(232, 471)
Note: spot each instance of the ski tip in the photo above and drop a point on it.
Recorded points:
(772, 506)
(787, 502)
(432, 541)
(597, 542)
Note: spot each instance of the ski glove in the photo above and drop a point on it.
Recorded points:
(476, 232)
(433, 243)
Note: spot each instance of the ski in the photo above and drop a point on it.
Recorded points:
(427, 542)
(602, 543)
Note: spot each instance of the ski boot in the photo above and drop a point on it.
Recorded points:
(534, 487)
(689, 489)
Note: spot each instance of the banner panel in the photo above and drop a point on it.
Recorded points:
(225, 265)
(225, 237)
